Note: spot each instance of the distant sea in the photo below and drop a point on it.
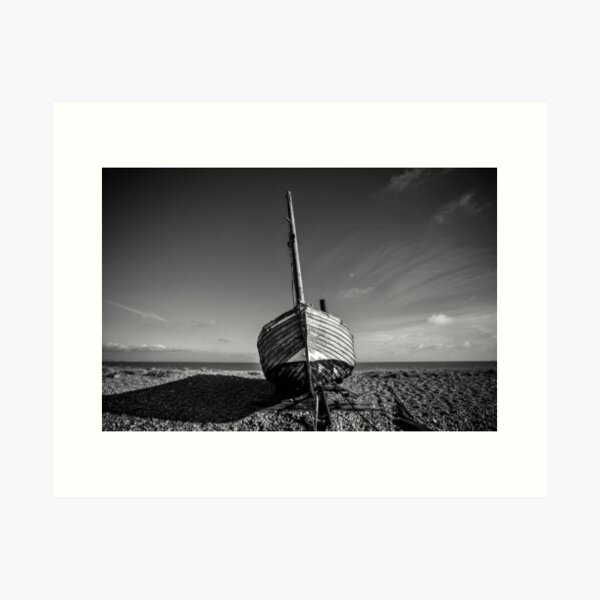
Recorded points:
(365, 366)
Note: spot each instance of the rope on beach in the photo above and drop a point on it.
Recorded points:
(367, 421)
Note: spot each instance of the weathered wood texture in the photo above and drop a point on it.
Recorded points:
(282, 350)
(293, 243)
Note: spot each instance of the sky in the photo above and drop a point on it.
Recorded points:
(195, 261)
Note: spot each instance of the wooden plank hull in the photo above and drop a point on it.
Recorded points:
(283, 344)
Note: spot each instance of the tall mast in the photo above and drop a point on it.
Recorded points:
(293, 244)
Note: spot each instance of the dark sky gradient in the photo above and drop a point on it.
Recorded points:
(195, 261)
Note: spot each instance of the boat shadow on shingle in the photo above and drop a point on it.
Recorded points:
(200, 398)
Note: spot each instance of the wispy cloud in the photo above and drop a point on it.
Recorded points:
(373, 336)
(141, 313)
(354, 293)
(423, 277)
(155, 350)
(410, 278)
(440, 319)
(466, 206)
(114, 347)
(409, 339)
(153, 320)
(411, 178)
(437, 346)
(208, 323)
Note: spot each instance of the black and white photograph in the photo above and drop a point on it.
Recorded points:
(299, 299)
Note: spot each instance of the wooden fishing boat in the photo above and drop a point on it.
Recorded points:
(305, 348)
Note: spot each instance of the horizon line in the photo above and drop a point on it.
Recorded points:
(237, 362)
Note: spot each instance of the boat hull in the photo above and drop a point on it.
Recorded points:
(283, 345)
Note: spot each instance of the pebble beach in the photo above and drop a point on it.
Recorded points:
(175, 399)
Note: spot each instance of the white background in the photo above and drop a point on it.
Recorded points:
(508, 462)
(418, 548)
